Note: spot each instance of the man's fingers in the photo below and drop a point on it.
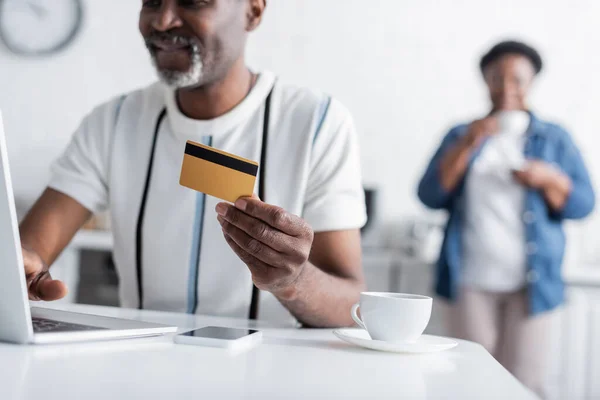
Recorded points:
(40, 285)
(247, 258)
(33, 264)
(275, 216)
(50, 289)
(253, 247)
(256, 228)
(43, 287)
(261, 272)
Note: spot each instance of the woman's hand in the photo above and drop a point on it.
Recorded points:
(554, 184)
(536, 174)
(454, 163)
(479, 130)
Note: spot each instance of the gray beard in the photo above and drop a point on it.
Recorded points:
(179, 79)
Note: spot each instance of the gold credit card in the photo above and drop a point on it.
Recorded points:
(217, 173)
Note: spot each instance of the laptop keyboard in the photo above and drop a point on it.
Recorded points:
(41, 325)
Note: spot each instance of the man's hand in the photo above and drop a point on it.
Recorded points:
(273, 243)
(40, 284)
(536, 175)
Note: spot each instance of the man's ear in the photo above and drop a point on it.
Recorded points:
(256, 9)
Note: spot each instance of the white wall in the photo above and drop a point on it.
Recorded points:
(406, 69)
(43, 100)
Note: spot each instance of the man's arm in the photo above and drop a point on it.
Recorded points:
(330, 282)
(45, 232)
(78, 187)
(316, 276)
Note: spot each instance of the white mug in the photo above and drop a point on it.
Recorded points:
(512, 125)
(393, 317)
(514, 122)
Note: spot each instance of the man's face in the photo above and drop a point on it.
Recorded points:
(193, 42)
(509, 79)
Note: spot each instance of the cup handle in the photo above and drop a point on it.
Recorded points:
(356, 318)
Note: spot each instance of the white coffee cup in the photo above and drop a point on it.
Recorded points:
(512, 126)
(393, 317)
(514, 122)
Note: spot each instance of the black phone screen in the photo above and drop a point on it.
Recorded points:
(215, 332)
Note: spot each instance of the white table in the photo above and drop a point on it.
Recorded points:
(290, 364)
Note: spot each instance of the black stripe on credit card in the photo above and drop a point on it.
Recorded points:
(221, 159)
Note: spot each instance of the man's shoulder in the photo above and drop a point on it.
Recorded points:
(306, 102)
(137, 98)
(141, 97)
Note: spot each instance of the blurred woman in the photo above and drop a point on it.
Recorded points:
(508, 180)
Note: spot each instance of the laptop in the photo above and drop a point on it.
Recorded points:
(24, 325)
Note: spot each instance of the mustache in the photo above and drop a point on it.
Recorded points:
(161, 37)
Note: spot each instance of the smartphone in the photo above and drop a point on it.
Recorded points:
(216, 336)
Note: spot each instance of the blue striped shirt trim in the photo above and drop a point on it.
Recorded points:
(196, 247)
(322, 114)
(118, 109)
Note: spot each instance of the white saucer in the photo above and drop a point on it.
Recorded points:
(425, 344)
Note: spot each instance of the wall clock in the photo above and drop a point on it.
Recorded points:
(39, 27)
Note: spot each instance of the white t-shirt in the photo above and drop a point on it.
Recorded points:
(494, 243)
(313, 171)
